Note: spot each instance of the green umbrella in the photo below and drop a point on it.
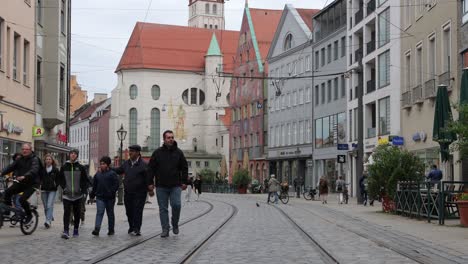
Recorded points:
(464, 90)
(442, 118)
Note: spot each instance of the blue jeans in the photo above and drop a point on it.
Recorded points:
(48, 199)
(164, 194)
(108, 206)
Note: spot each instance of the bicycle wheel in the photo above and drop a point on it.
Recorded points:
(307, 195)
(272, 198)
(29, 228)
(284, 197)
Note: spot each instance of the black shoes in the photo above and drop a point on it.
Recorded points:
(175, 230)
(110, 233)
(165, 233)
(95, 232)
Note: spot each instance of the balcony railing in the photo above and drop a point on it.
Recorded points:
(371, 132)
(417, 95)
(358, 54)
(444, 78)
(358, 16)
(370, 86)
(430, 89)
(370, 7)
(406, 100)
(370, 46)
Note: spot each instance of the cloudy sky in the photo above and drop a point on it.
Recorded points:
(100, 31)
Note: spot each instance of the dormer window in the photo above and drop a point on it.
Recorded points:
(288, 42)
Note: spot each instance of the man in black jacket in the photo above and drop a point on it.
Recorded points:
(169, 170)
(135, 188)
(26, 169)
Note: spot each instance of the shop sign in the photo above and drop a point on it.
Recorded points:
(398, 141)
(343, 147)
(38, 131)
(419, 136)
(11, 128)
(61, 137)
(382, 140)
(341, 158)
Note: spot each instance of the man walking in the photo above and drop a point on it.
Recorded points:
(74, 182)
(27, 170)
(435, 175)
(135, 188)
(169, 170)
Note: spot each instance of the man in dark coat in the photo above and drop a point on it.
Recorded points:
(135, 188)
(169, 170)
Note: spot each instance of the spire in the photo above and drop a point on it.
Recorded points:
(214, 49)
(246, 3)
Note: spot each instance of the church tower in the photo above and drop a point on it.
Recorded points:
(206, 14)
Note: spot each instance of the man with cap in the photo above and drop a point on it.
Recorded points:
(135, 184)
(74, 182)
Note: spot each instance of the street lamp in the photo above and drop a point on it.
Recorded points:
(121, 134)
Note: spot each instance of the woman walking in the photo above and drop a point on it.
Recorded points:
(197, 184)
(49, 188)
(105, 185)
(323, 189)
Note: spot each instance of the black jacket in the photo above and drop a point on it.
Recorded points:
(29, 167)
(49, 180)
(136, 179)
(105, 185)
(73, 179)
(168, 167)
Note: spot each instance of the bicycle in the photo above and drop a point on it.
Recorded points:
(309, 193)
(19, 216)
(283, 194)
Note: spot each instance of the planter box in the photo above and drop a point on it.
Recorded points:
(463, 211)
(242, 190)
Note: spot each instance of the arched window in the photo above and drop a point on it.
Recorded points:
(133, 91)
(132, 125)
(155, 128)
(288, 42)
(215, 9)
(207, 8)
(201, 99)
(155, 92)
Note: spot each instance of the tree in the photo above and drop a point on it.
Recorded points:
(392, 164)
(208, 175)
(241, 178)
(460, 127)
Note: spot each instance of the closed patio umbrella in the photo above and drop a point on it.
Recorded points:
(442, 118)
(464, 89)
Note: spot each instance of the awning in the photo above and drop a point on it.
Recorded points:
(41, 144)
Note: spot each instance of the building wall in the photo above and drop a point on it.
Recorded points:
(78, 97)
(98, 137)
(16, 89)
(79, 133)
(417, 116)
(198, 17)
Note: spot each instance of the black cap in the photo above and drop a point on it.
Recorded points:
(135, 147)
(76, 151)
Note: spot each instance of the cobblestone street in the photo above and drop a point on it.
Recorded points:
(254, 234)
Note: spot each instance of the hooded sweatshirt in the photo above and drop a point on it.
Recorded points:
(74, 180)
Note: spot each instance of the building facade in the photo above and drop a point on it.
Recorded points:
(248, 92)
(99, 134)
(206, 14)
(429, 59)
(373, 60)
(329, 92)
(186, 92)
(78, 97)
(17, 83)
(290, 118)
(52, 61)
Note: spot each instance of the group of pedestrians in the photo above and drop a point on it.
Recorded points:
(165, 176)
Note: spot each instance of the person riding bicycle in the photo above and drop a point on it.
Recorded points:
(27, 170)
(273, 186)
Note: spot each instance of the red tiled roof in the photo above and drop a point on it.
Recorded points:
(85, 113)
(168, 47)
(265, 22)
(306, 15)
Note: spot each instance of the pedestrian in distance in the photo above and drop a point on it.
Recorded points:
(189, 189)
(27, 171)
(297, 187)
(340, 186)
(363, 187)
(197, 185)
(105, 186)
(135, 184)
(323, 189)
(273, 186)
(49, 184)
(74, 182)
(168, 169)
(434, 176)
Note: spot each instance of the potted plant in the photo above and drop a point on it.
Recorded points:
(241, 179)
(462, 204)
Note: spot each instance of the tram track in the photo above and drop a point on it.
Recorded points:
(111, 253)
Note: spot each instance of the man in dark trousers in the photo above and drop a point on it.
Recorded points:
(27, 170)
(169, 170)
(74, 182)
(135, 188)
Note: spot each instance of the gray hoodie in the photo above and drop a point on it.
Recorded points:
(74, 180)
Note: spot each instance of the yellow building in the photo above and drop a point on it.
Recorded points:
(78, 97)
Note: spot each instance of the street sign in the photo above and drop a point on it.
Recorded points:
(398, 141)
(343, 147)
(341, 158)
